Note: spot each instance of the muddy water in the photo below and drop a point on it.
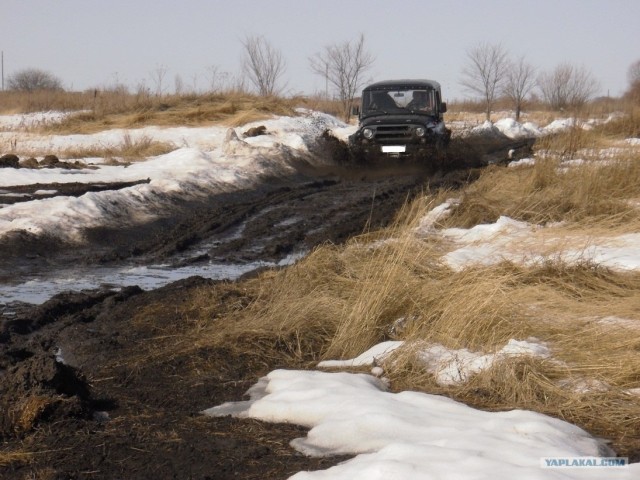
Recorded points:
(38, 288)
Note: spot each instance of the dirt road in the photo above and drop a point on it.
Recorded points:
(83, 390)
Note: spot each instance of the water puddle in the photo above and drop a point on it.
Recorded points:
(36, 289)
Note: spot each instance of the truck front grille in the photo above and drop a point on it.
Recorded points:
(392, 133)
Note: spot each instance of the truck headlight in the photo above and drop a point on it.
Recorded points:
(420, 131)
(367, 133)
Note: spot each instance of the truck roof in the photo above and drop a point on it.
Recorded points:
(407, 83)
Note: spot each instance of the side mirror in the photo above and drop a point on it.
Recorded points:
(443, 107)
(355, 110)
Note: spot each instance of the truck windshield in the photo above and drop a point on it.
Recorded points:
(398, 101)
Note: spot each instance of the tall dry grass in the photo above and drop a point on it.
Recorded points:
(42, 101)
(228, 109)
(591, 193)
(129, 149)
(117, 108)
(392, 284)
(624, 126)
(587, 316)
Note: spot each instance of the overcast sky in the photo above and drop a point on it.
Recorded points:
(95, 43)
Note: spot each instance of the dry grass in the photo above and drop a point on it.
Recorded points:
(339, 301)
(42, 101)
(228, 109)
(593, 193)
(128, 150)
(624, 126)
(595, 358)
(106, 109)
(13, 458)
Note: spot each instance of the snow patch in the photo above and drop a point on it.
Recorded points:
(411, 435)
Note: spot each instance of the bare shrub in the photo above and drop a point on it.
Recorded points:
(520, 81)
(343, 66)
(567, 86)
(633, 75)
(157, 76)
(263, 64)
(485, 73)
(32, 80)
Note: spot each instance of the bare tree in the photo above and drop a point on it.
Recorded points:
(567, 86)
(519, 82)
(633, 75)
(263, 64)
(32, 79)
(343, 66)
(213, 76)
(194, 83)
(219, 81)
(157, 77)
(178, 84)
(485, 73)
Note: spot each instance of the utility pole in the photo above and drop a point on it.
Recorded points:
(326, 81)
(2, 62)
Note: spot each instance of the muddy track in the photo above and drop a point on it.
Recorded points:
(85, 392)
(39, 191)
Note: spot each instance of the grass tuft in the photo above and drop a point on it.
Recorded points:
(130, 149)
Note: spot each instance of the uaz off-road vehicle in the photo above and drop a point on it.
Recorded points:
(400, 118)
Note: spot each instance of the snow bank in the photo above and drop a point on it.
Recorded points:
(521, 242)
(207, 161)
(412, 435)
(512, 129)
(23, 121)
(486, 129)
(524, 243)
(507, 127)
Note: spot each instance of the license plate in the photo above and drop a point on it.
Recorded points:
(394, 148)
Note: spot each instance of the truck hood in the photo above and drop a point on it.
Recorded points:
(385, 119)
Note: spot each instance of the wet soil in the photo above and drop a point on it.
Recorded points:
(85, 395)
(87, 390)
(38, 191)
